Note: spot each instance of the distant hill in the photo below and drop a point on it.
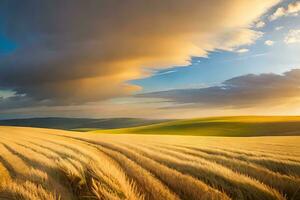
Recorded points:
(221, 126)
(212, 126)
(79, 124)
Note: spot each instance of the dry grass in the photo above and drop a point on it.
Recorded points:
(51, 164)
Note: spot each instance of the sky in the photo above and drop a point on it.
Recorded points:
(149, 59)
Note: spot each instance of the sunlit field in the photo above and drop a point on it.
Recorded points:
(220, 126)
(52, 164)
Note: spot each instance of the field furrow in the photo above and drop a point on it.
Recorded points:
(43, 164)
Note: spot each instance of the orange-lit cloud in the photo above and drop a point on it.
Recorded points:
(73, 52)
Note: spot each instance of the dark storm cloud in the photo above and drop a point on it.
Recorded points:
(75, 51)
(242, 91)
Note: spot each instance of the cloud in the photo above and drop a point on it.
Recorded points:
(242, 50)
(239, 92)
(279, 28)
(260, 24)
(291, 9)
(72, 52)
(293, 36)
(269, 42)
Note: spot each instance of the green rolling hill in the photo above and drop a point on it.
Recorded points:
(221, 126)
(212, 126)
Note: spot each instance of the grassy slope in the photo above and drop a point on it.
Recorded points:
(222, 126)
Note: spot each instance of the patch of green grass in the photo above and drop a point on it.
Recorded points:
(221, 126)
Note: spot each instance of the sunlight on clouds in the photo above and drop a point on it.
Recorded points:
(290, 10)
(233, 39)
(293, 36)
(242, 50)
(260, 24)
(269, 42)
(247, 91)
(97, 47)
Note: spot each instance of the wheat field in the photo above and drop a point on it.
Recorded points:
(53, 164)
